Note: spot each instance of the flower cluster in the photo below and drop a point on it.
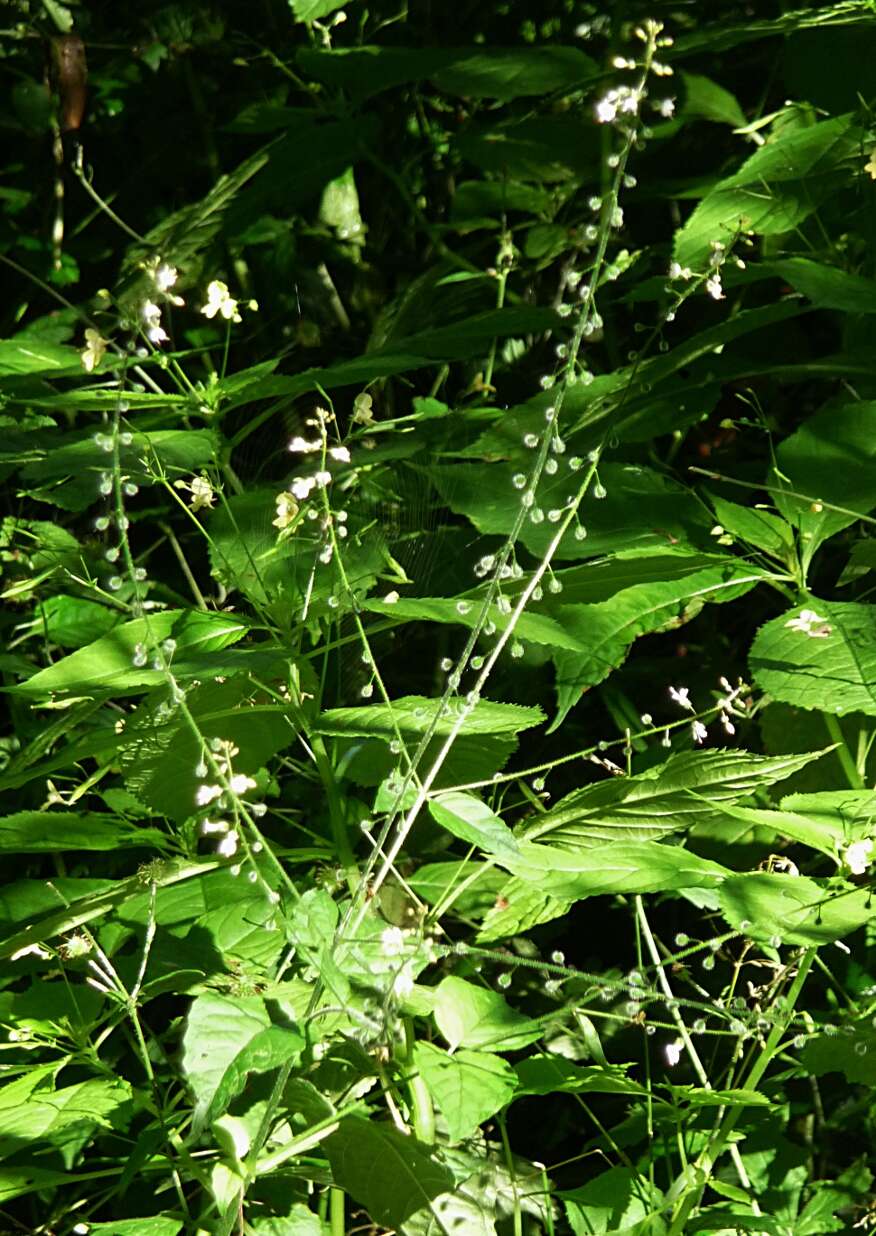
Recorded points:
(225, 795)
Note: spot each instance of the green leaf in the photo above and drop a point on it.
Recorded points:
(156, 1225)
(502, 73)
(391, 1175)
(218, 1029)
(468, 818)
(72, 622)
(107, 665)
(549, 1074)
(532, 627)
(778, 187)
(313, 10)
(821, 655)
(624, 867)
(470, 1016)
(32, 1110)
(518, 905)
(706, 100)
(676, 794)
(266, 1050)
(755, 527)
(827, 286)
(794, 909)
(608, 628)
(515, 72)
(36, 832)
(830, 459)
(619, 1200)
(852, 1053)
(468, 1086)
(415, 714)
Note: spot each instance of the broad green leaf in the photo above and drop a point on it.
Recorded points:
(778, 187)
(793, 909)
(313, 10)
(618, 1200)
(468, 1086)
(23, 355)
(518, 905)
(486, 72)
(676, 794)
(482, 882)
(706, 100)
(821, 655)
(107, 665)
(72, 622)
(623, 867)
(415, 714)
(300, 1221)
(830, 459)
(531, 626)
(640, 509)
(32, 1110)
(391, 1175)
(156, 1225)
(827, 286)
(70, 468)
(610, 627)
(752, 526)
(267, 1050)
(851, 1052)
(553, 1074)
(218, 1029)
(160, 753)
(515, 72)
(471, 820)
(17, 1181)
(471, 1016)
(35, 832)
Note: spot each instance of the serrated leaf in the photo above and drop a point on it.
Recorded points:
(819, 655)
(533, 628)
(107, 665)
(35, 832)
(676, 794)
(415, 714)
(471, 1016)
(794, 909)
(550, 1074)
(610, 627)
(217, 1031)
(623, 867)
(471, 820)
(468, 1086)
(518, 905)
(778, 187)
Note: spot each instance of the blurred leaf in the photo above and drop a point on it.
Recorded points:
(35, 832)
(414, 714)
(706, 100)
(793, 909)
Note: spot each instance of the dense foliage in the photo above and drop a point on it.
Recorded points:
(438, 649)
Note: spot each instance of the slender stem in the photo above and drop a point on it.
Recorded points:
(844, 755)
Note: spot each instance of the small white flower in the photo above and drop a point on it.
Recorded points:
(151, 315)
(857, 856)
(340, 453)
(287, 509)
(322, 478)
(201, 490)
(93, 352)
(681, 696)
(227, 847)
(165, 276)
(714, 288)
(672, 1053)
(698, 731)
(301, 487)
(403, 984)
(220, 300)
(666, 107)
(392, 941)
(391, 598)
(240, 784)
(302, 446)
(811, 624)
(207, 794)
(211, 827)
(606, 110)
(31, 950)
